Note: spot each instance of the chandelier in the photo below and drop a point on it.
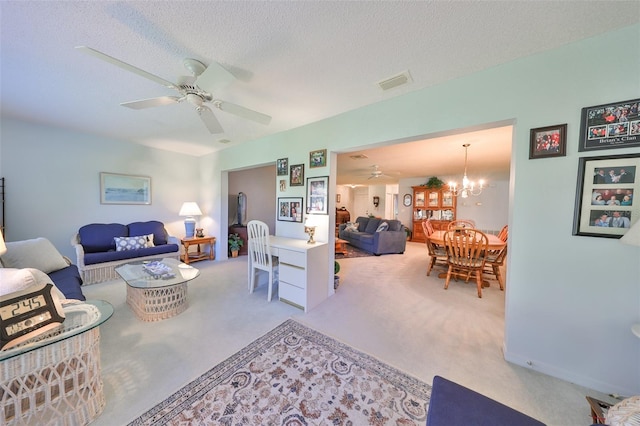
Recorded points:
(468, 187)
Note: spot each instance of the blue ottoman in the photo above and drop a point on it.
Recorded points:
(455, 405)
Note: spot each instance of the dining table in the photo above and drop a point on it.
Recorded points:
(493, 244)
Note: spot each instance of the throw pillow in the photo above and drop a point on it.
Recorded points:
(351, 227)
(382, 227)
(150, 240)
(37, 253)
(130, 243)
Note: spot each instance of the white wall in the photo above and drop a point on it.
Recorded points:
(557, 292)
(53, 185)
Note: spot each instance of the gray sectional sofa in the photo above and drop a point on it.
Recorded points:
(375, 235)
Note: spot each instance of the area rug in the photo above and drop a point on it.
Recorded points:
(295, 376)
(353, 252)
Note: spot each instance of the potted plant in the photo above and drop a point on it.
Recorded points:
(336, 278)
(235, 242)
(434, 183)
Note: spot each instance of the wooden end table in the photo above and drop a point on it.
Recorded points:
(197, 255)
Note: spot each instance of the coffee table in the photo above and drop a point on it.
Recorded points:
(341, 246)
(157, 298)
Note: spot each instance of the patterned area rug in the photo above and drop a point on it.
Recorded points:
(294, 376)
(353, 252)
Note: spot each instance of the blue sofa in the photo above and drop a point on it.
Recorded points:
(98, 256)
(454, 405)
(41, 254)
(375, 235)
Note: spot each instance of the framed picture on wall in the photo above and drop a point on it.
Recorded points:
(605, 197)
(290, 209)
(282, 166)
(124, 189)
(550, 141)
(318, 158)
(296, 175)
(317, 195)
(609, 126)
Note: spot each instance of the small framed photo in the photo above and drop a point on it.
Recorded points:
(605, 204)
(317, 195)
(290, 209)
(124, 189)
(550, 141)
(282, 166)
(283, 185)
(609, 126)
(337, 198)
(296, 175)
(318, 158)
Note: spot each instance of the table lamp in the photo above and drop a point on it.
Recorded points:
(3, 247)
(310, 228)
(190, 209)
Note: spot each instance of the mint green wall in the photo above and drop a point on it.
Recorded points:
(565, 313)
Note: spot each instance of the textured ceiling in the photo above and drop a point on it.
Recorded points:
(296, 61)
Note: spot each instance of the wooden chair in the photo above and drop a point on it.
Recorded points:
(436, 252)
(465, 254)
(504, 233)
(493, 261)
(260, 258)
(461, 223)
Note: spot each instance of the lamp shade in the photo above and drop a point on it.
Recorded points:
(190, 208)
(3, 247)
(632, 237)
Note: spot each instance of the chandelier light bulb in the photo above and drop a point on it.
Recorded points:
(468, 186)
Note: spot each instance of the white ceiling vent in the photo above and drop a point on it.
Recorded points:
(395, 81)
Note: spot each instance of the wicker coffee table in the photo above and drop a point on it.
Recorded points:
(55, 378)
(155, 298)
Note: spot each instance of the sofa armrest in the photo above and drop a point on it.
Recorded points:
(342, 226)
(75, 243)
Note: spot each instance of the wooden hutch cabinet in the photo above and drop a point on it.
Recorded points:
(439, 205)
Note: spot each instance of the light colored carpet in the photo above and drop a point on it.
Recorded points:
(296, 376)
(385, 306)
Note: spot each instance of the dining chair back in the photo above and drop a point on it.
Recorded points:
(465, 254)
(462, 223)
(260, 258)
(437, 253)
(493, 261)
(504, 233)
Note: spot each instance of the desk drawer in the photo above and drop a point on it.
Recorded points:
(294, 258)
(292, 275)
(292, 294)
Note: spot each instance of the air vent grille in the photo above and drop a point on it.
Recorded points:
(358, 157)
(395, 81)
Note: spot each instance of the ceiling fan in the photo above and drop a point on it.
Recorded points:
(196, 89)
(376, 173)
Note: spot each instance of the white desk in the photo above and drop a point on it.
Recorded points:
(303, 276)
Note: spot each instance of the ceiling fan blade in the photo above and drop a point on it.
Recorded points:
(215, 77)
(126, 66)
(153, 102)
(209, 119)
(243, 112)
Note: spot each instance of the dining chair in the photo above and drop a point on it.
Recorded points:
(437, 253)
(465, 254)
(461, 223)
(260, 258)
(504, 233)
(493, 261)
